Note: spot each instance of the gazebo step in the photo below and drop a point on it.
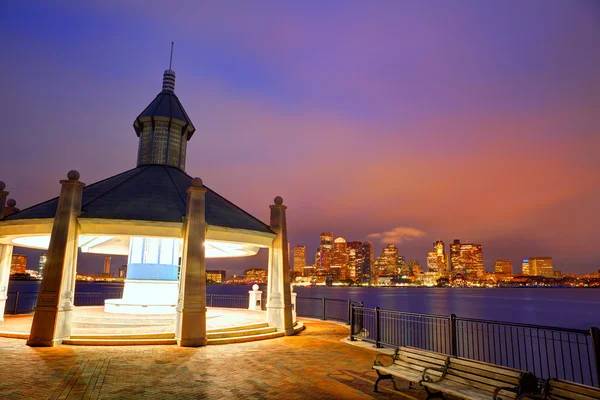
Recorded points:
(118, 342)
(239, 328)
(156, 335)
(242, 339)
(238, 333)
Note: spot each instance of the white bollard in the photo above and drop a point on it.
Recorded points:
(255, 302)
(294, 295)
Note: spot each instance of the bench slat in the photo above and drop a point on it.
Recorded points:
(461, 391)
(488, 367)
(575, 388)
(425, 358)
(571, 395)
(478, 378)
(418, 361)
(426, 353)
(415, 367)
(505, 379)
(479, 385)
(406, 375)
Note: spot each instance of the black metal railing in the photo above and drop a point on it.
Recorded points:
(325, 309)
(24, 302)
(227, 300)
(548, 352)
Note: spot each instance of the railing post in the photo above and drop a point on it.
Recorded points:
(453, 341)
(352, 319)
(323, 307)
(16, 303)
(595, 335)
(211, 299)
(377, 329)
(350, 314)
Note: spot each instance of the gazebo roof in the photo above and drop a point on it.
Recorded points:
(148, 193)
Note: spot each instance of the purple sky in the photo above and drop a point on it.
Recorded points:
(424, 119)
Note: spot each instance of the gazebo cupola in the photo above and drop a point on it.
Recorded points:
(164, 127)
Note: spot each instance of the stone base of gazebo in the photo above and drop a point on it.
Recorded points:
(93, 326)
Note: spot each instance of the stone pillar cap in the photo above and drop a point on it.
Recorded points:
(2, 186)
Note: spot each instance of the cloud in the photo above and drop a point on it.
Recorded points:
(397, 235)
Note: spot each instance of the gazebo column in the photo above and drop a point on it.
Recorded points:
(279, 303)
(54, 308)
(5, 257)
(190, 328)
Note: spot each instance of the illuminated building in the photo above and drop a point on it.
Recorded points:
(380, 266)
(436, 259)
(367, 259)
(390, 254)
(326, 241)
(541, 266)
(309, 270)
(42, 264)
(123, 271)
(255, 275)
(18, 264)
(525, 268)
(107, 266)
(299, 260)
(412, 265)
(216, 276)
(467, 260)
(503, 267)
(355, 260)
(340, 259)
(323, 260)
(403, 269)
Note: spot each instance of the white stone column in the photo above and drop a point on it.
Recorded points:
(279, 303)
(190, 327)
(6, 251)
(5, 257)
(54, 308)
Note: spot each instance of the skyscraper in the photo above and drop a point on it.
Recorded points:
(339, 263)
(299, 259)
(324, 255)
(326, 240)
(390, 254)
(355, 260)
(525, 270)
(18, 264)
(467, 259)
(541, 266)
(436, 259)
(107, 265)
(42, 265)
(503, 267)
(367, 257)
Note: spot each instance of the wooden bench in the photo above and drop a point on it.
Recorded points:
(555, 389)
(466, 379)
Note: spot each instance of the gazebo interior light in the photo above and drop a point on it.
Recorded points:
(119, 245)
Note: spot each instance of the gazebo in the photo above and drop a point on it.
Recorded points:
(165, 221)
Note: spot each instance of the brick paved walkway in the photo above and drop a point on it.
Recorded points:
(314, 364)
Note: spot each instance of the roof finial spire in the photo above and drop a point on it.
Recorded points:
(171, 59)
(169, 75)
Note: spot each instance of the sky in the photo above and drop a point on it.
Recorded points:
(391, 121)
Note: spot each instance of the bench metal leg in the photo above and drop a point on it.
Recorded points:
(433, 395)
(383, 377)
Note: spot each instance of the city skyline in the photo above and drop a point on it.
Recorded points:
(428, 124)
